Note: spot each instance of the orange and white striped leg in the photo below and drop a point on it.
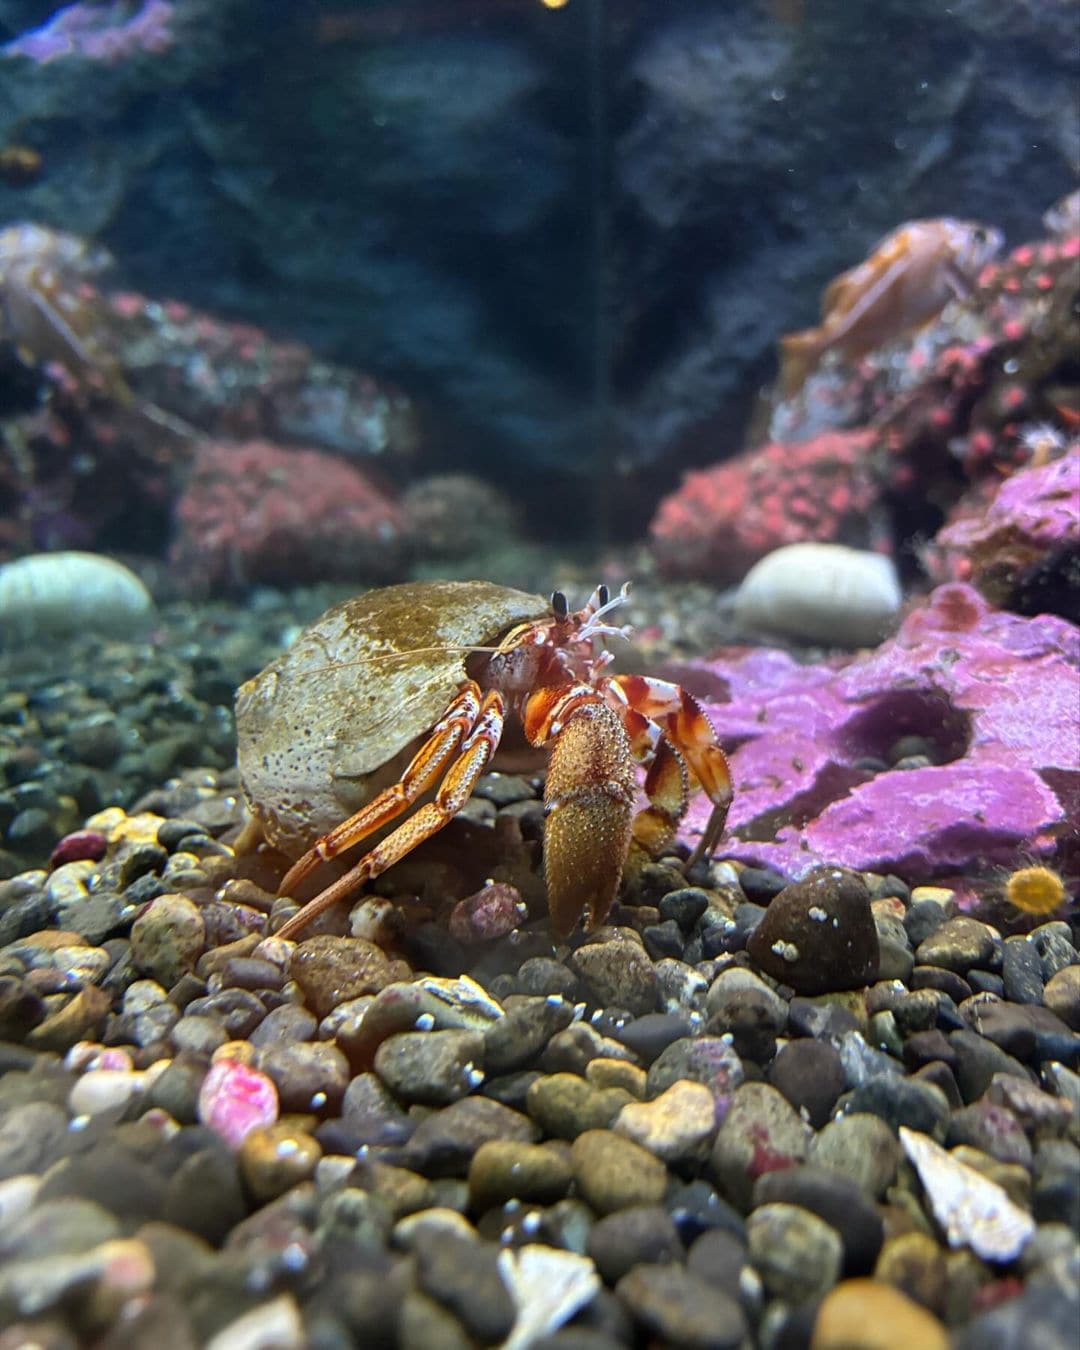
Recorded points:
(588, 801)
(425, 769)
(473, 757)
(683, 722)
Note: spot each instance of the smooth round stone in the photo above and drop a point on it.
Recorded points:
(796, 1253)
(992, 1128)
(616, 1073)
(818, 934)
(517, 1038)
(58, 1226)
(423, 1323)
(719, 1257)
(958, 945)
(836, 1199)
(701, 1059)
(198, 1035)
(285, 1025)
(80, 1019)
(639, 1234)
(866, 1314)
(862, 1147)
(674, 1304)
(168, 939)
(275, 1159)
(503, 1170)
(235, 1099)
(685, 906)
(1021, 971)
(309, 1075)
(811, 1077)
(761, 884)
(648, 1036)
(1062, 995)
(760, 1132)
(978, 1060)
(618, 974)
(612, 1172)
(462, 1273)
(677, 1127)
(432, 1068)
(902, 1101)
(204, 1195)
(332, 970)
(728, 993)
(564, 1105)
(541, 975)
(443, 1144)
(102, 1091)
(572, 1049)
(895, 956)
(914, 1264)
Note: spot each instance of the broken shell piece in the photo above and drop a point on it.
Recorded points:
(973, 1210)
(548, 1287)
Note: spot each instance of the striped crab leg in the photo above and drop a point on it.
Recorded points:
(692, 737)
(465, 738)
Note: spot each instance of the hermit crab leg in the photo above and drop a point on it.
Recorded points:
(482, 720)
(691, 734)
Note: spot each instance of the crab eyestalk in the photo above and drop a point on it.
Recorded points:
(589, 801)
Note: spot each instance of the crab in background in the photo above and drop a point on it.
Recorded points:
(405, 691)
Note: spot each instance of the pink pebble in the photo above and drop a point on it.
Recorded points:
(80, 846)
(235, 1099)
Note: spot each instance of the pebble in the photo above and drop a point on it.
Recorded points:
(612, 1173)
(433, 1068)
(818, 934)
(564, 1105)
(677, 1126)
(503, 1170)
(710, 1060)
(308, 1075)
(863, 1148)
(331, 970)
(811, 1076)
(618, 973)
(761, 1132)
(797, 1254)
(168, 939)
(835, 1198)
(868, 1314)
(633, 1236)
(674, 1304)
(1062, 995)
(235, 1099)
(443, 1144)
(958, 945)
(275, 1158)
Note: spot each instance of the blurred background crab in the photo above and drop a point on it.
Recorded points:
(398, 699)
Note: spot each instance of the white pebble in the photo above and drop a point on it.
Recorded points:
(827, 593)
(101, 1090)
(16, 1197)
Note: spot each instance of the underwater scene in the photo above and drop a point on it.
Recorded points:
(539, 674)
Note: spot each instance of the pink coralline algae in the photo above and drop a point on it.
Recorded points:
(108, 33)
(993, 698)
(255, 513)
(1022, 549)
(723, 519)
(235, 1099)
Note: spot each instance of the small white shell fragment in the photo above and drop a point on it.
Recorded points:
(461, 999)
(844, 597)
(973, 1210)
(548, 1287)
(61, 594)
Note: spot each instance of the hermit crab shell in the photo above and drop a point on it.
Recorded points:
(322, 729)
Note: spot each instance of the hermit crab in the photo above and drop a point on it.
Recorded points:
(393, 704)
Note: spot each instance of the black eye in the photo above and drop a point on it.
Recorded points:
(558, 604)
(604, 594)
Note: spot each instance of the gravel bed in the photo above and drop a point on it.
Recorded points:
(742, 1113)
